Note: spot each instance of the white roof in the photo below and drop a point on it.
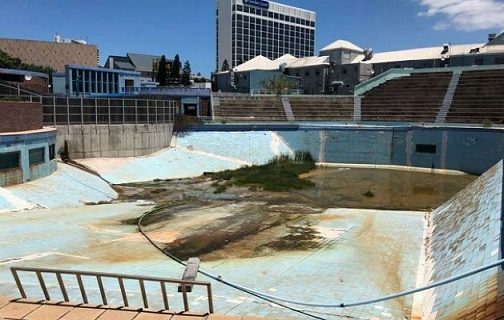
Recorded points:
(342, 44)
(308, 62)
(493, 49)
(285, 58)
(418, 54)
(257, 63)
(263, 63)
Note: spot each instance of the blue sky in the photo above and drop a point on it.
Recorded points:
(187, 27)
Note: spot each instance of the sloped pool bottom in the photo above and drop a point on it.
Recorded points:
(300, 245)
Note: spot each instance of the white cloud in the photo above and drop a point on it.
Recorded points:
(467, 15)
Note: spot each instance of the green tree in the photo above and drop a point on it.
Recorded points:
(175, 70)
(279, 84)
(225, 65)
(162, 72)
(9, 62)
(186, 74)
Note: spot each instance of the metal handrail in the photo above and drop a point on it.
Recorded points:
(18, 89)
(99, 276)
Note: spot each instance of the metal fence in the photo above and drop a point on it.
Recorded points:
(63, 110)
(53, 278)
(108, 111)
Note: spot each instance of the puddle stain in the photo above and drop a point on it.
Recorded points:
(299, 238)
(254, 227)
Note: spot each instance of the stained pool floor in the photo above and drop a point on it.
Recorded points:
(354, 255)
(360, 258)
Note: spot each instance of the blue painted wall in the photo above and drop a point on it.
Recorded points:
(471, 150)
(23, 143)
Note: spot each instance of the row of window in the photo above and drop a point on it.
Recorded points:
(267, 50)
(94, 75)
(271, 31)
(272, 45)
(89, 81)
(12, 160)
(284, 43)
(268, 23)
(271, 27)
(273, 15)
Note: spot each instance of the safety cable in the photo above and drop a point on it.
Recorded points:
(218, 278)
(275, 299)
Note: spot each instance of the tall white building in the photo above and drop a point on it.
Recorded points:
(248, 28)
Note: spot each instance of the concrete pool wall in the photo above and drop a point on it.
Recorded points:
(464, 234)
(467, 149)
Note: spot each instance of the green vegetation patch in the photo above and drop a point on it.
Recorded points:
(11, 98)
(368, 194)
(279, 174)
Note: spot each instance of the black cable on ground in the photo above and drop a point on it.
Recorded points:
(139, 224)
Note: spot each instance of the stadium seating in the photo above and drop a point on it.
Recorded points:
(322, 108)
(414, 98)
(249, 108)
(479, 98)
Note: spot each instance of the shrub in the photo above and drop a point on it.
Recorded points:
(280, 174)
(487, 123)
(182, 122)
(368, 194)
(10, 98)
(220, 188)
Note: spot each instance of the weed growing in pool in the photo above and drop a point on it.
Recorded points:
(280, 174)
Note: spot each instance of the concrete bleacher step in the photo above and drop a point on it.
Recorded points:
(479, 98)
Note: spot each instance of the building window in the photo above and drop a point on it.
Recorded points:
(479, 62)
(52, 151)
(425, 148)
(9, 160)
(36, 156)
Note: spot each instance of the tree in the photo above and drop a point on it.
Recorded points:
(186, 74)
(225, 66)
(10, 62)
(175, 70)
(279, 84)
(162, 72)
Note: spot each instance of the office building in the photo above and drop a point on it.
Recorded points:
(249, 28)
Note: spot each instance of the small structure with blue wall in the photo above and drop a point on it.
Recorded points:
(88, 81)
(27, 149)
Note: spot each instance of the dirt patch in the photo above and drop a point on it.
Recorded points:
(299, 238)
(247, 231)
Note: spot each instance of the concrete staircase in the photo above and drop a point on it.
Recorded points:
(357, 108)
(288, 110)
(448, 98)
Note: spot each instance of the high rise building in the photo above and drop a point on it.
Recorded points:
(248, 28)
